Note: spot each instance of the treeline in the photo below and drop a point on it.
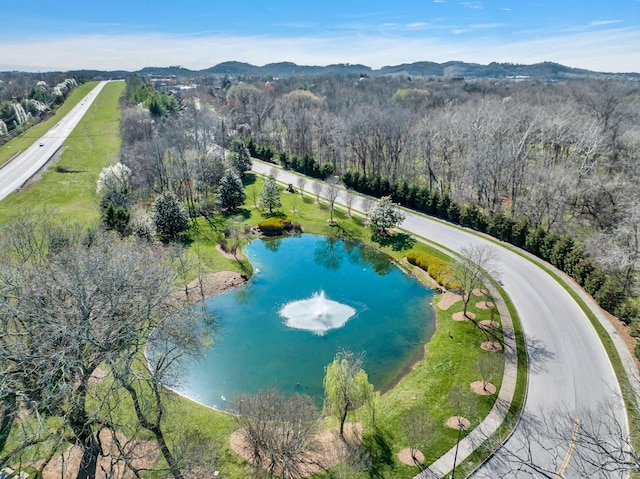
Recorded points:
(305, 165)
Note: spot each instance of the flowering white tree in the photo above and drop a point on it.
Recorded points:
(114, 184)
(114, 188)
(384, 216)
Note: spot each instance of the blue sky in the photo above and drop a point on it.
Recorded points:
(602, 35)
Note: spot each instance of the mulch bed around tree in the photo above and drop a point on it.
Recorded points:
(482, 388)
(405, 457)
(459, 316)
(485, 305)
(491, 346)
(448, 299)
(454, 421)
(489, 325)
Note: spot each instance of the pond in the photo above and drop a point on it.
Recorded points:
(310, 297)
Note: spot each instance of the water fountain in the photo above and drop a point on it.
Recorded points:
(317, 314)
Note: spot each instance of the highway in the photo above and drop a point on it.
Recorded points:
(568, 364)
(19, 170)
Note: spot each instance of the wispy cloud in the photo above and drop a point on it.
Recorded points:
(600, 23)
(417, 26)
(486, 26)
(473, 5)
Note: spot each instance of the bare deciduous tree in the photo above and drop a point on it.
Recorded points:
(332, 191)
(417, 426)
(318, 189)
(301, 183)
(475, 261)
(349, 201)
(278, 433)
(69, 310)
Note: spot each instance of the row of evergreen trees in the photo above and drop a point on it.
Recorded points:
(560, 250)
(306, 165)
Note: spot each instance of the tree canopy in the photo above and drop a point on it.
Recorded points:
(346, 386)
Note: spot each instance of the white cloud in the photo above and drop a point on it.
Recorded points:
(486, 26)
(600, 23)
(607, 49)
(417, 25)
(473, 5)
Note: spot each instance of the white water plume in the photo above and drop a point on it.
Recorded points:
(316, 314)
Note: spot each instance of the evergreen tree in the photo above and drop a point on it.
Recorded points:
(169, 216)
(270, 195)
(231, 193)
(240, 157)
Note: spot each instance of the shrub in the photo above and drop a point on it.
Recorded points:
(437, 269)
(594, 281)
(473, 217)
(501, 227)
(634, 328)
(611, 294)
(628, 312)
(275, 225)
(534, 239)
(560, 252)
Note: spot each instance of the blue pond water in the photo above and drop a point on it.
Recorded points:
(334, 295)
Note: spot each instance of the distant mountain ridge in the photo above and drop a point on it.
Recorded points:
(545, 71)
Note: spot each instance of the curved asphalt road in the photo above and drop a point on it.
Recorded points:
(568, 364)
(17, 172)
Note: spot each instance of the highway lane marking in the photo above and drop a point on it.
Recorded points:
(572, 444)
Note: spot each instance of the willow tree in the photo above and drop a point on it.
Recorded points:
(346, 386)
